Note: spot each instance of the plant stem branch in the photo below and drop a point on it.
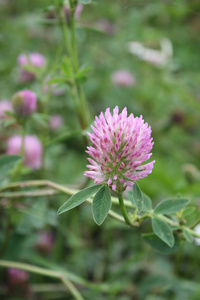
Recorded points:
(54, 186)
(58, 187)
(42, 271)
(123, 209)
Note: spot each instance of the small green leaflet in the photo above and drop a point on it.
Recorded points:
(171, 206)
(147, 204)
(84, 1)
(187, 235)
(7, 163)
(57, 80)
(78, 198)
(152, 240)
(137, 198)
(163, 231)
(101, 205)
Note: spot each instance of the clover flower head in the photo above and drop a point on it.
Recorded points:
(121, 145)
(24, 103)
(32, 150)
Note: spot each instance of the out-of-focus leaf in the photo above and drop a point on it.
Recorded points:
(188, 211)
(7, 163)
(171, 206)
(158, 245)
(67, 68)
(84, 1)
(57, 80)
(147, 203)
(187, 235)
(193, 217)
(163, 231)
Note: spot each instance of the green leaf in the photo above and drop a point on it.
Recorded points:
(7, 163)
(66, 67)
(82, 74)
(188, 211)
(191, 217)
(101, 205)
(170, 206)
(187, 235)
(163, 231)
(78, 198)
(137, 197)
(152, 240)
(7, 122)
(84, 1)
(57, 80)
(147, 203)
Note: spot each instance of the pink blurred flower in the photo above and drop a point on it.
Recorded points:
(77, 12)
(45, 242)
(24, 103)
(123, 78)
(55, 122)
(34, 59)
(16, 276)
(105, 26)
(32, 150)
(5, 105)
(52, 88)
(121, 145)
(18, 283)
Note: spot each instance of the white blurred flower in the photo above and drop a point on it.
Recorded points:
(197, 230)
(156, 57)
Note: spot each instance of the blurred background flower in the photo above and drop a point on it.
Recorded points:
(32, 150)
(30, 60)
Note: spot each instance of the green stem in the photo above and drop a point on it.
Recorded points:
(123, 209)
(193, 233)
(41, 271)
(6, 239)
(51, 184)
(166, 219)
(72, 288)
(57, 187)
(75, 88)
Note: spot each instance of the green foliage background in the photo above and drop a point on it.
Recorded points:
(169, 100)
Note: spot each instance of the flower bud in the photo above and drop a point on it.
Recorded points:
(16, 276)
(18, 283)
(24, 103)
(32, 150)
(45, 242)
